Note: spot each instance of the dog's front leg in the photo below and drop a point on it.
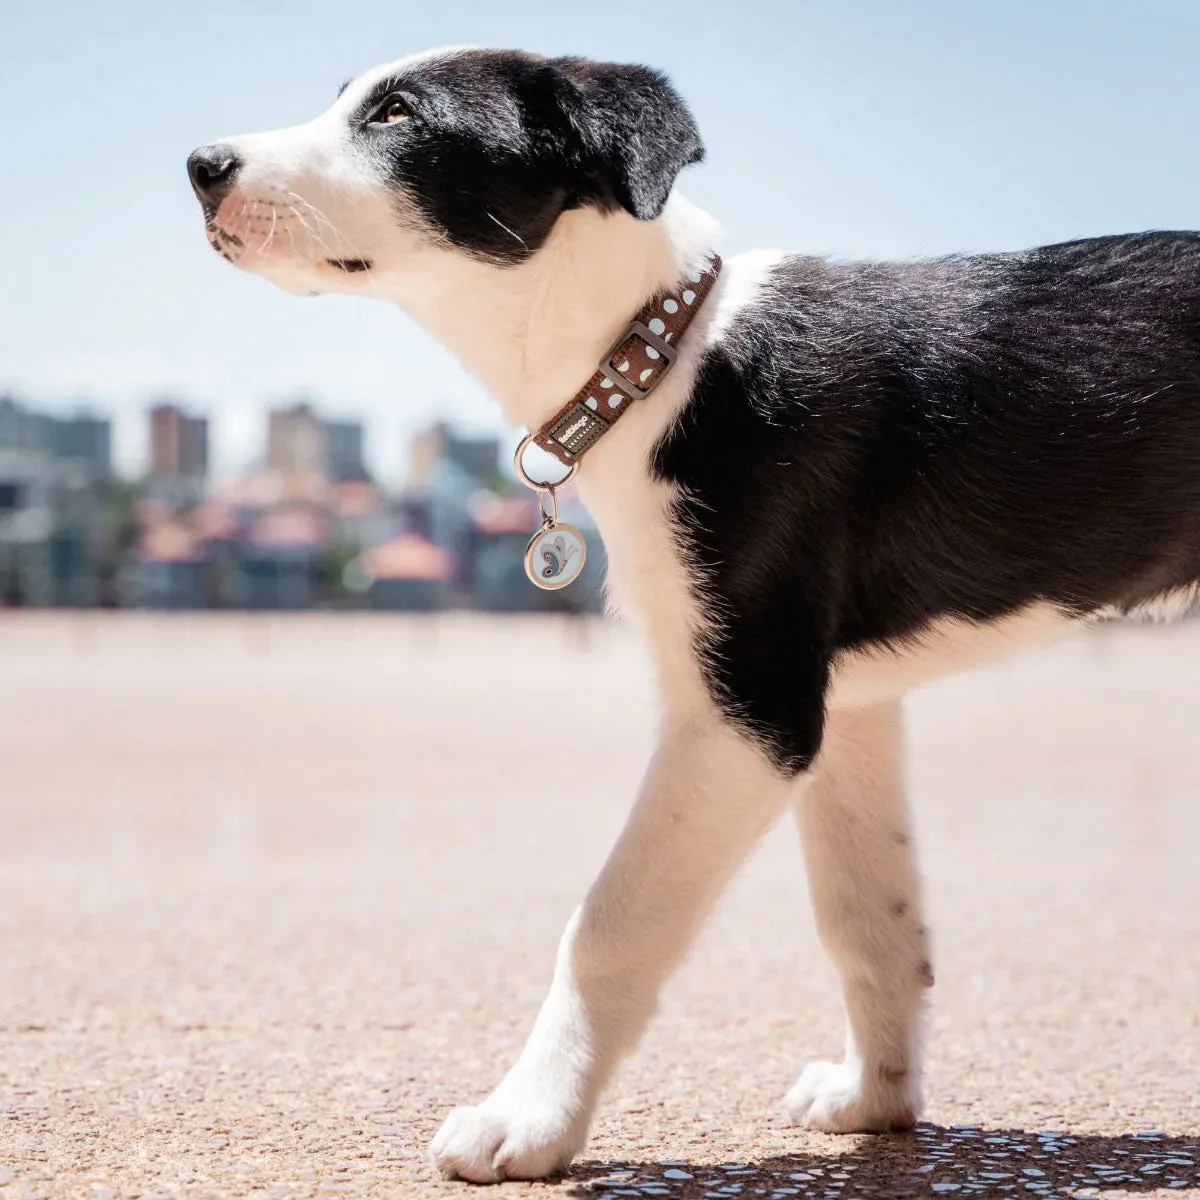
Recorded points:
(709, 794)
(866, 896)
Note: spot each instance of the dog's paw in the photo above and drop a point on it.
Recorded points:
(835, 1098)
(499, 1140)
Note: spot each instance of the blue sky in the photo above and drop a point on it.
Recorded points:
(844, 127)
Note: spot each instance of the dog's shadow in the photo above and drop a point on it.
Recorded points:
(933, 1161)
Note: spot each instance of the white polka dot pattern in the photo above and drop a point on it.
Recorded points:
(634, 368)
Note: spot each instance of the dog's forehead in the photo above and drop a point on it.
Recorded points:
(359, 88)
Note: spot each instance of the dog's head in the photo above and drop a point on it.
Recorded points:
(474, 152)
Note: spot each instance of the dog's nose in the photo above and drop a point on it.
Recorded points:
(212, 170)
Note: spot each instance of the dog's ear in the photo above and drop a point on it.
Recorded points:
(636, 132)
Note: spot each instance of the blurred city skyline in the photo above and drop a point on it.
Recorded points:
(857, 129)
(307, 526)
(177, 436)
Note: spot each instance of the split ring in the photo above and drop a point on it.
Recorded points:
(527, 479)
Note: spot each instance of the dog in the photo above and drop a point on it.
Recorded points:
(853, 479)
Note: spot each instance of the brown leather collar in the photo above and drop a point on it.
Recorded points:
(636, 363)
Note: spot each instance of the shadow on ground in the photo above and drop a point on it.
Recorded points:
(961, 1160)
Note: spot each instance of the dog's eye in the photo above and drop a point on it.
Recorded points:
(391, 112)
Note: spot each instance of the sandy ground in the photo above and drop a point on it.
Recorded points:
(276, 893)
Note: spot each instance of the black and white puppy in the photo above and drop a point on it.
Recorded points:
(857, 477)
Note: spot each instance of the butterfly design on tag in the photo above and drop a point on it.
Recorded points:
(555, 556)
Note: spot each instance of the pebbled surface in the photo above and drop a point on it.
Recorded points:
(277, 893)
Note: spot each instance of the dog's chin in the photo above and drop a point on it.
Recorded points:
(301, 276)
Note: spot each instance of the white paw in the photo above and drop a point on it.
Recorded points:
(833, 1097)
(502, 1140)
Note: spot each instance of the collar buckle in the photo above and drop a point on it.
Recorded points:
(666, 352)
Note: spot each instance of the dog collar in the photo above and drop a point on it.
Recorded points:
(632, 367)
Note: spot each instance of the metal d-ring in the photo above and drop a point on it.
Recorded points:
(528, 480)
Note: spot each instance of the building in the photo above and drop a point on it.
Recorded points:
(279, 564)
(50, 523)
(26, 526)
(344, 452)
(407, 573)
(178, 444)
(299, 442)
(171, 568)
(296, 441)
(475, 458)
(82, 441)
(446, 473)
(360, 514)
(12, 417)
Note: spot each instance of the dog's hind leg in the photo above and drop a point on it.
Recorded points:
(708, 796)
(854, 826)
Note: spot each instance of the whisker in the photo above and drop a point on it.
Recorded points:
(313, 233)
(506, 229)
(271, 233)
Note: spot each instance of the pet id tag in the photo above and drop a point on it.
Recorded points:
(555, 556)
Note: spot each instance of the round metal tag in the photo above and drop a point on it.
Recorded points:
(555, 556)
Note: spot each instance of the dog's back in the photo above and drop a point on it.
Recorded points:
(964, 436)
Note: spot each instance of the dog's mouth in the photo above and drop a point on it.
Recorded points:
(351, 266)
(255, 230)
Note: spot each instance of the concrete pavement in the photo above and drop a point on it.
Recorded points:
(275, 893)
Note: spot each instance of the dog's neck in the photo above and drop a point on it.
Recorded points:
(534, 333)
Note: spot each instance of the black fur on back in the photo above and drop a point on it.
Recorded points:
(871, 447)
